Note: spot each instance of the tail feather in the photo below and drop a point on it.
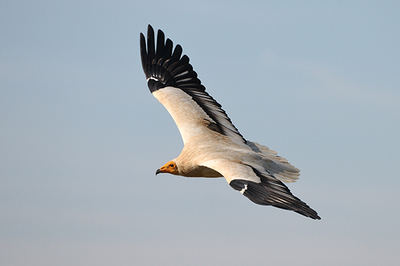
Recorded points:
(275, 164)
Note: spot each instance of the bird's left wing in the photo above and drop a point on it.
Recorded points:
(171, 79)
(260, 187)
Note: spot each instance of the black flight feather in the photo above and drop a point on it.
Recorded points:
(271, 191)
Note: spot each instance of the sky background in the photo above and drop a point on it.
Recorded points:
(81, 136)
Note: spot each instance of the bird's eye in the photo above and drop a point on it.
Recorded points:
(171, 165)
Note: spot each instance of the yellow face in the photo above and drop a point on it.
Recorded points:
(169, 167)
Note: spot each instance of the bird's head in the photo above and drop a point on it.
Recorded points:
(169, 167)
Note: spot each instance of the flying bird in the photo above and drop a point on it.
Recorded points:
(213, 146)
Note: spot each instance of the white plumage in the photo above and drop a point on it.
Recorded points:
(213, 147)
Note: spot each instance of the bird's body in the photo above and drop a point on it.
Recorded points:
(213, 147)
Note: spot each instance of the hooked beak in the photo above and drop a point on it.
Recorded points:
(158, 171)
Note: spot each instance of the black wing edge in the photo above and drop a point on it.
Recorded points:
(165, 66)
(272, 192)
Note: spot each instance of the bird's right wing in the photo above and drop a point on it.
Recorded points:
(259, 187)
(172, 80)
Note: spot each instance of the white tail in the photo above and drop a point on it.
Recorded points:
(275, 164)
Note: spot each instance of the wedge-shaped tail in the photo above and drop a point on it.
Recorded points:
(275, 164)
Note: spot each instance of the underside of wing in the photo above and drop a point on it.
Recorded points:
(260, 187)
(172, 80)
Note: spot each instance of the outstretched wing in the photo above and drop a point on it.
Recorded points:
(260, 187)
(172, 80)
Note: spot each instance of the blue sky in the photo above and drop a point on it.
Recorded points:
(81, 136)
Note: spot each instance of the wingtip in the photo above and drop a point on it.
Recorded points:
(308, 211)
(314, 215)
(150, 32)
(160, 33)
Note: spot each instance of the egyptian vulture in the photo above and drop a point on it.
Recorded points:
(213, 146)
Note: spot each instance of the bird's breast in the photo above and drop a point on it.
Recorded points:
(202, 171)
